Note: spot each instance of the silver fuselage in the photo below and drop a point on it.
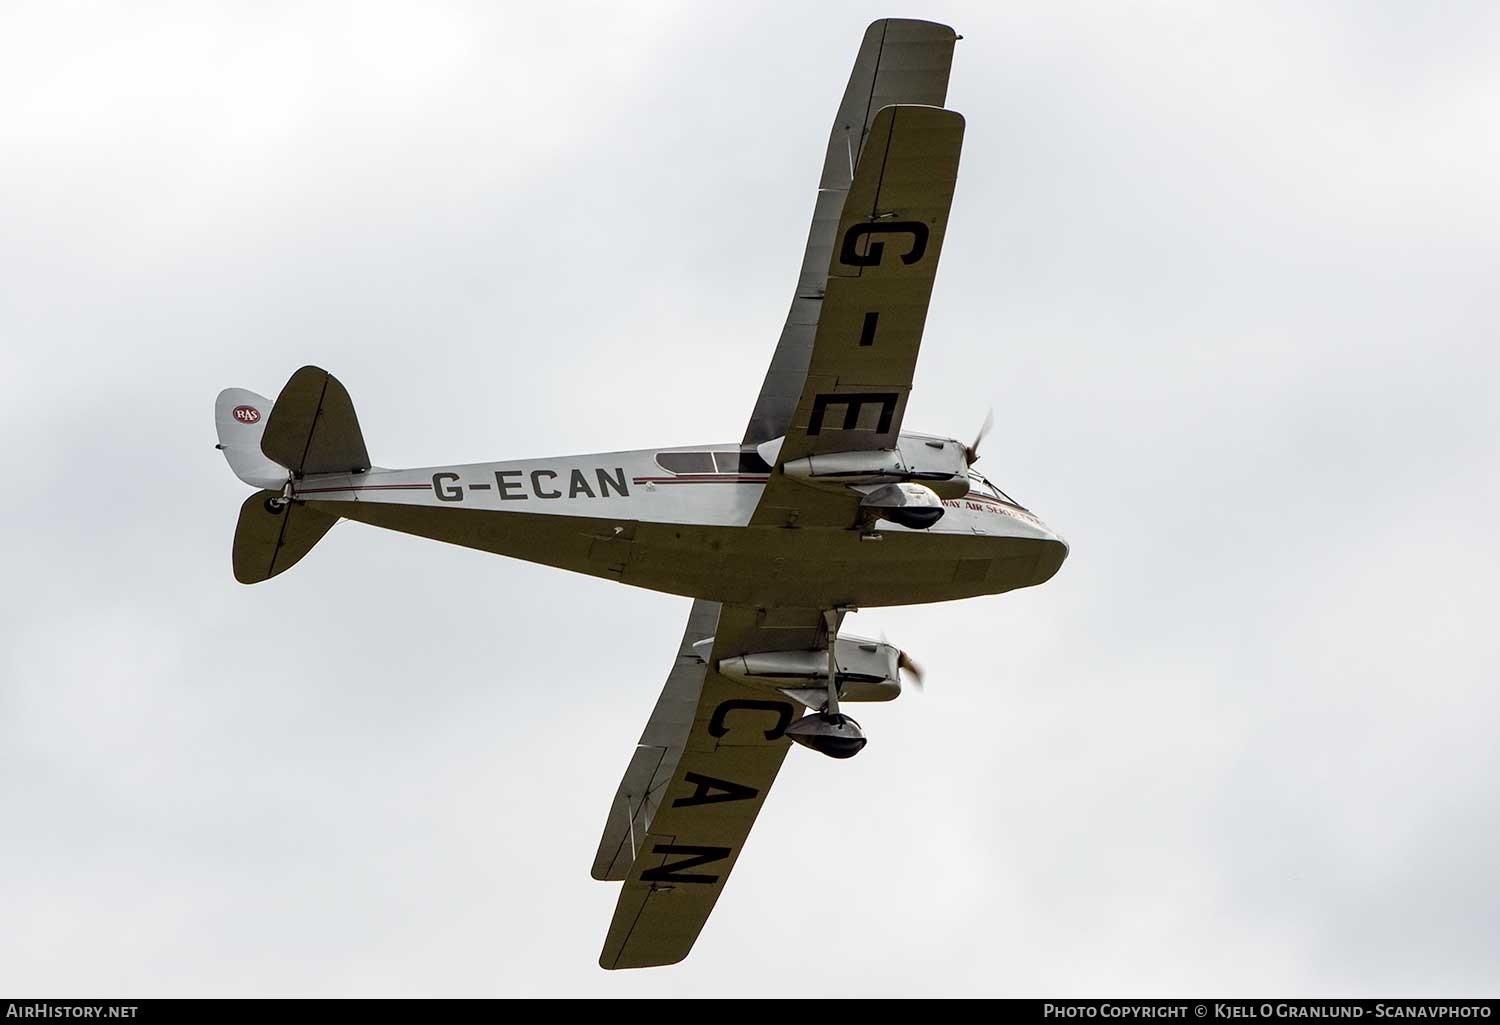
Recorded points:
(624, 516)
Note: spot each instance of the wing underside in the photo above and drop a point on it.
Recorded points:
(879, 284)
(838, 381)
(874, 310)
(656, 756)
(695, 794)
(900, 61)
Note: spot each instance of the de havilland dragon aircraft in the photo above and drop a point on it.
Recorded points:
(825, 505)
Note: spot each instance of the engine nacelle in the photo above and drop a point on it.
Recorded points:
(938, 463)
(911, 505)
(867, 671)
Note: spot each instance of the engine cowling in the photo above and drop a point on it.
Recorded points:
(867, 671)
(937, 463)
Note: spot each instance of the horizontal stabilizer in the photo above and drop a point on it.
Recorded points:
(313, 429)
(269, 539)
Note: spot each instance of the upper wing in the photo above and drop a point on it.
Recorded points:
(900, 61)
(686, 832)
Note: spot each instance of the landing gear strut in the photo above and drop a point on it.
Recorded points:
(830, 732)
(275, 505)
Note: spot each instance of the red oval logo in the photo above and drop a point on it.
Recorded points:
(246, 414)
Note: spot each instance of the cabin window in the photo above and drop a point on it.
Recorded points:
(741, 462)
(979, 482)
(712, 462)
(686, 462)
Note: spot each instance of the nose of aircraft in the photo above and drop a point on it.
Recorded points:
(1052, 556)
(1054, 552)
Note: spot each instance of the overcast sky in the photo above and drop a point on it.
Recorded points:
(1226, 275)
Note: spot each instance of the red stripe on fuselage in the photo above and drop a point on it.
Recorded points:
(700, 478)
(365, 487)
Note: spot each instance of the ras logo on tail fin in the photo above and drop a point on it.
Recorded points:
(240, 417)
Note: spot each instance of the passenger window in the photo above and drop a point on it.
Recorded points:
(741, 462)
(686, 462)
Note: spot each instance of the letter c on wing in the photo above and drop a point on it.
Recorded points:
(783, 711)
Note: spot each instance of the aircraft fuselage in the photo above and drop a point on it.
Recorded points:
(625, 516)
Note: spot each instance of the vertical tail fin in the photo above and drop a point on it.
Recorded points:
(310, 428)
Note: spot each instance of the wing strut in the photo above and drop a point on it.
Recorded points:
(833, 618)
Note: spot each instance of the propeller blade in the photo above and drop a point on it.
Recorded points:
(906, 662)
(972, 452)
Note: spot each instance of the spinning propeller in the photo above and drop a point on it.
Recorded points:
(906, 662)
(971, 453)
